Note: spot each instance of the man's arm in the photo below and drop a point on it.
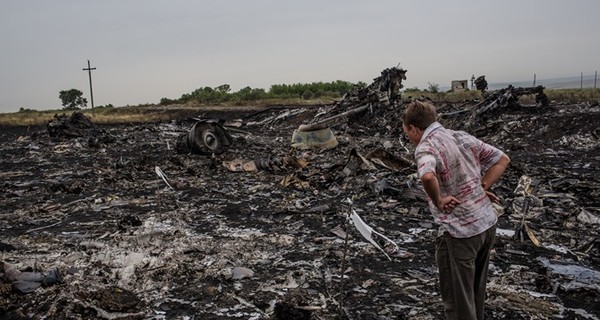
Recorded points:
(494, 172)
(432, 188)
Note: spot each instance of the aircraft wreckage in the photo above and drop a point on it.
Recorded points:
(193, 220)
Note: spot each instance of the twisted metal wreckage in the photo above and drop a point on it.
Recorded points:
(209, 136)
(125, 222)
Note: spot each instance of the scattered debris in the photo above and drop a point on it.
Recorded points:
(507, 98)
(525, 190)
(269, 243)
(270, 164)
(573, 277)
(73, 126)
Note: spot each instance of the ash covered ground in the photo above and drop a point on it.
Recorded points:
(89, 219)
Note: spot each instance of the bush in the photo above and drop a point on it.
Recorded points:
(306, 95)
(414, 89)
(167, 102)
(433, 87)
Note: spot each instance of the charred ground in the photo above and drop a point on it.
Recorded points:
(266, 244)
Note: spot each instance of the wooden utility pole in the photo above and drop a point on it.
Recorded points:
(89, 70)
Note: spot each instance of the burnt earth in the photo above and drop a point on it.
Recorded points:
(127, 245)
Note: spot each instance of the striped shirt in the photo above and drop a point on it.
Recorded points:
(458, 160)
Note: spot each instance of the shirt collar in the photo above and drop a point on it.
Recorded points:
(429, 129)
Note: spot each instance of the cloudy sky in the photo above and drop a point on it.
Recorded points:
(150, 49)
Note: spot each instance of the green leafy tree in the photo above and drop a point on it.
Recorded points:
(72, 99)
(250, 94)
(223, 92)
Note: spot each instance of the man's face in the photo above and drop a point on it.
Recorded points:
(413, 133)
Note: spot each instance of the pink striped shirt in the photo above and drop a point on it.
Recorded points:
(458, 160)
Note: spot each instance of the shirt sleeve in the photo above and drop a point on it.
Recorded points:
(426, 161)
(488, 156)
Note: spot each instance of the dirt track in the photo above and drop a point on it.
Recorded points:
(127, 245)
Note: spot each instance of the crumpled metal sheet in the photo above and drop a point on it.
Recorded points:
(571, 276)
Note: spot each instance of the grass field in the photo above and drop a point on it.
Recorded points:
(151, 113)
(130, 114)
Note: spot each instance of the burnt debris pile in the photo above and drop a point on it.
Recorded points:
(73, 126)
(507, 99)
(384, 89)
(78, 125)
(364, 110)
(487, 117)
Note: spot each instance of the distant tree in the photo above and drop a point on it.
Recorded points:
(433, 87)
(72, 99)
(414, 89)
(250, 94)
(320, 93)
(224, 88)
(306, 95)
(222, 93)
(310, 90)
(167, 101)
(340, 87)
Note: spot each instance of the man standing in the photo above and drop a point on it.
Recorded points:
(450, 166)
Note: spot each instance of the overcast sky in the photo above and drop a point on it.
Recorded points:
(147, 50)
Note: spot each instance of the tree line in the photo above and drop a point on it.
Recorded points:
(222, 93)
(73, 99)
